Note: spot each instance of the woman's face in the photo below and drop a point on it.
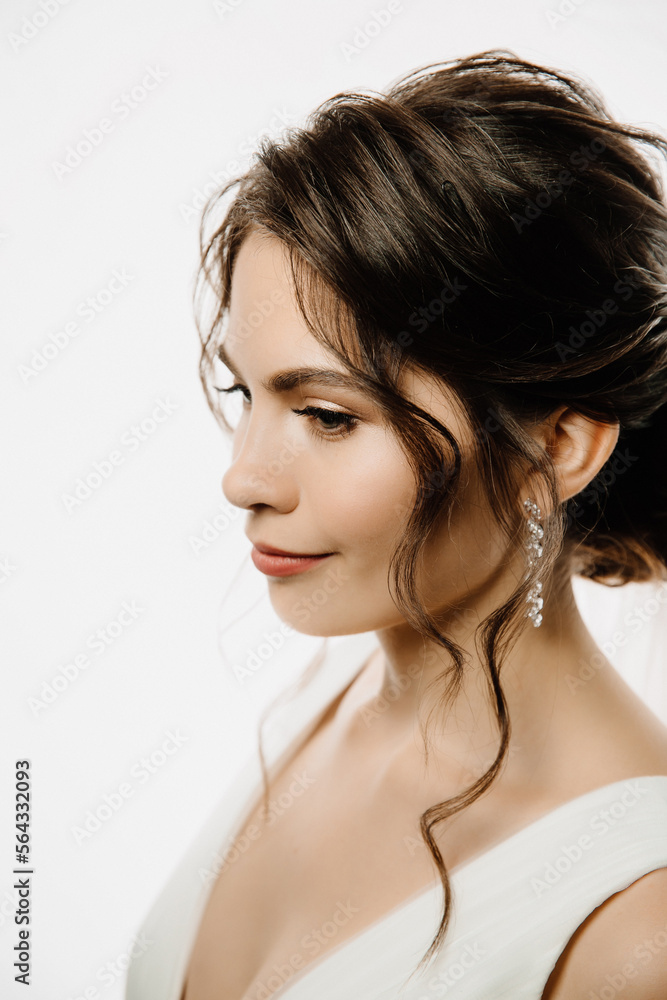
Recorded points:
(311, 485)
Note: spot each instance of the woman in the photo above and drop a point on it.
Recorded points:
(446, 318)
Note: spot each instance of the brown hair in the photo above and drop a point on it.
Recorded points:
(486, 222)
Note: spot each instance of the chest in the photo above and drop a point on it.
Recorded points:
(336, 850)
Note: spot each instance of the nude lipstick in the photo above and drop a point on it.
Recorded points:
(276, 562)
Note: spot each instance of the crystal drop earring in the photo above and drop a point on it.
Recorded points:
(533, 554)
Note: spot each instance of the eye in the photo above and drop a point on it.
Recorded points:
(336, 423)
(344, 423)
(235, 388)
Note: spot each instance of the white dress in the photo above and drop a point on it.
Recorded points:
(516, 905)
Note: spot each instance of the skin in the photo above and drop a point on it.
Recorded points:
(348, 494)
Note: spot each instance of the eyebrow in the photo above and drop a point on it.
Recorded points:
(287, 380)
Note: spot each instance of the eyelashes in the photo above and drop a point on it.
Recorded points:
(344, 423)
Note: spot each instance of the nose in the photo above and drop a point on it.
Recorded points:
(261, 472)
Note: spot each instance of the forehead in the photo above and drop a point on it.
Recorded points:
(262, 259)
(264, 320)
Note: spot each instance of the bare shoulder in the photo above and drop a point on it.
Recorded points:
(621, 943)
(621, 947)
(619, 733)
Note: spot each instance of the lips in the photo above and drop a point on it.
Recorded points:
(277, 562)
(271, 551)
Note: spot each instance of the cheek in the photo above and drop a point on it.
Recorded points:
(368, 497)
(466, 553)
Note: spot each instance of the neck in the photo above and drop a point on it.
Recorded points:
(406, 686)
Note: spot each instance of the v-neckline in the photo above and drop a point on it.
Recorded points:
(288, 753)
(456, 872)
(418, 898)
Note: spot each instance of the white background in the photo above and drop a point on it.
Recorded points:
(132, 206)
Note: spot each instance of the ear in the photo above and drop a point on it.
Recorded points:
(578, 446)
